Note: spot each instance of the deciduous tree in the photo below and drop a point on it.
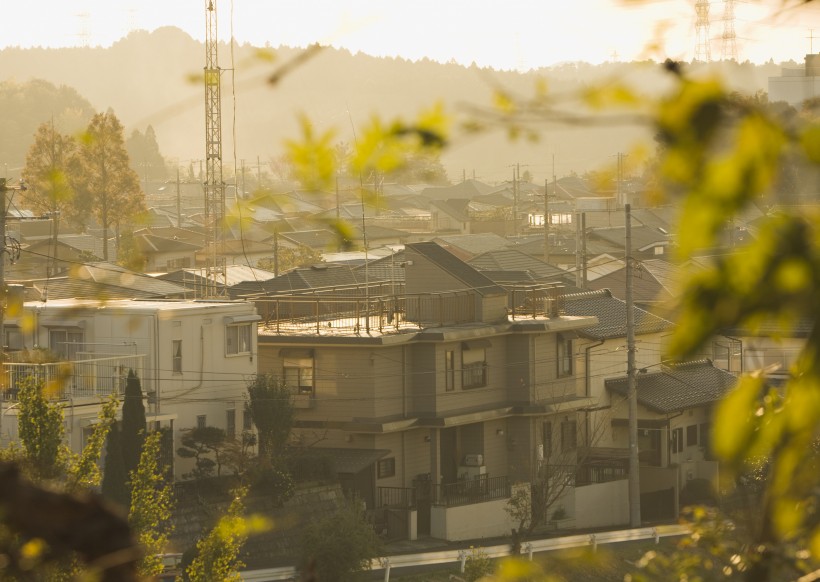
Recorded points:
(107, 186)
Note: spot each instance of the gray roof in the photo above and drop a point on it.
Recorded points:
(474, 244)
(467, 189)
(105, 281)
(643, 237)
(611, 314)
(472, 278)
(679, 387)
(315, 277)
(515, 260)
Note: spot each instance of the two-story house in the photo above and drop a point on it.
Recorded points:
(431, 399)
(193, 358)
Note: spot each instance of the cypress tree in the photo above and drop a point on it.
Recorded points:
(133, 424)
(114, 482)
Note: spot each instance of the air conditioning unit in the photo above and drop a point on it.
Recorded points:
(473, 460)
(471, 473)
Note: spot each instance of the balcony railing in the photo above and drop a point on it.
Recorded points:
(65, 380)
(586, 474)
(396, 497)
(470, 491)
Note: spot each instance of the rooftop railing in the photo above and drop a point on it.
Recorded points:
(355, 310)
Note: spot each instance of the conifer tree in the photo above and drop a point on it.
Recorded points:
(114, 483)
(133, 423)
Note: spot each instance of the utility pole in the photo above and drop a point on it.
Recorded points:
(578, 271)
(584, 251)
(515, 203)
(179, 205)
(634, 459)
(546, 221)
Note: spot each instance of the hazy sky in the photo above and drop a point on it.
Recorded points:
(509, 34)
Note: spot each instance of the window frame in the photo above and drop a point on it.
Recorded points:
(67, 349)
(564, 358)
(176, 356)
(236, 350)
(677, 440)
(569, 435)
(692, 435)
(449, 370)
(386, 468)
(474, 369)
(201, 421)
(546, 438)
(305, 369)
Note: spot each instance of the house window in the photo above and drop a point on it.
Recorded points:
(247, 421)
(66, 343)
(449, 370)
(692, 435)
(386, 468)
(677, 440)
(201, 421)
(298, 374)
(238, 339)
(14, 339)
(473, 365)
(546, 439)
(230, 423)
(705, 434)
(177, 356)
(564, 356)
(569, 436)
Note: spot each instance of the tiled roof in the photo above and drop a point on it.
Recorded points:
(149, 243)
(679, 387)
(474, 244)
(472, 278)
(467, 189)
(642, 237)
(515, 260)
(611, 314)
(315, 277)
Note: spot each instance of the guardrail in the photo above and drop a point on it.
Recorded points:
(592, 540)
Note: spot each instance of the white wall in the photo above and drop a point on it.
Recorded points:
(602, 504)
(470, 522)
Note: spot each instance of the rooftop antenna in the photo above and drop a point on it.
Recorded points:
(214, 185)
(703, 51)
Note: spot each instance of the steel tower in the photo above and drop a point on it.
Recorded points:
(214, 186)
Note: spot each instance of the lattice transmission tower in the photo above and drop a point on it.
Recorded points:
(214, 185)
(728, 47)
(703, 51)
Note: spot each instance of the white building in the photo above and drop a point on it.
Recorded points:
(193, 358)
(794, 86)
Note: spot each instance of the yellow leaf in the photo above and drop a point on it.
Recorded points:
(734, 423)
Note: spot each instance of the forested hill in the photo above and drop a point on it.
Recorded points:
(154, 78)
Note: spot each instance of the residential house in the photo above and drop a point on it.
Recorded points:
(193, 359)
(675, 408)
(601, 349)
(431, 402)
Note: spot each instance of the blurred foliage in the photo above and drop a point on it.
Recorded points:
(339, 546)
(151, 505)
(218, 553)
